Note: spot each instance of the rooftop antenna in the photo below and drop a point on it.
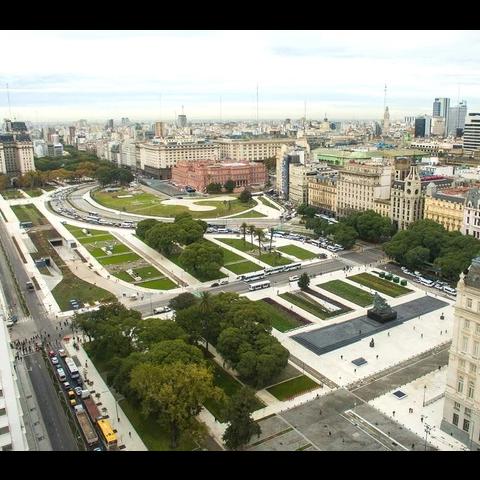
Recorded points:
(257, 103)
(9, 106)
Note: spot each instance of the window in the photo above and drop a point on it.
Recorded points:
(469, 303)
(460, 385)
(455, 419)
(2, 411)
(471, 390)
(465, 344)
(473, 368)
(5, 429)
(468, 412)
(466, 324)
(475, 348)
(466, 425)
(461, 364)
(456, 406)
(477, 325)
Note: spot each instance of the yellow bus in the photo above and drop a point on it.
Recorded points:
(108, 434)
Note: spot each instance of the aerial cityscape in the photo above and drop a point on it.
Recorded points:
(240, 240)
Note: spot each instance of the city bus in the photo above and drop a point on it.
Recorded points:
(272, 270)
(249, 277)
(292, 266)
(107, 433)
(259, 285)
(72, 368)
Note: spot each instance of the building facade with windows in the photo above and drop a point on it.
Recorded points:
(446, 207)
(471, 134)
(461, 411)
(16, 154)
(199, 174)
(252, 150)
(471, 214)
(322, 192)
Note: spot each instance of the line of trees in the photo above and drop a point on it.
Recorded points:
(427, 245)
(369, 226)
(185, 237)
(229, 187)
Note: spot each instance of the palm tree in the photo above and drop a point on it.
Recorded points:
(251, 231)
(243, 228)
(205, 307)
(261, 236)
(272, 231)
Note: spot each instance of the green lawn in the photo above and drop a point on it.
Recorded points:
(149, 204)
(122, 258)
(238, 243)
(97, 238)
(272, 259)
(49, 188)
(309, 305)
(349, 292)
(380, 285)
(78, 232)
(250, 214)
(73, 287)
(281, 321)
(123, 276)
(297, 252)
(243, 267)
(159, 284)
(267, 202)
(292, 388)
(11, 194)
(229, 385)
(36, 192)
(29, 213)
(156, 437)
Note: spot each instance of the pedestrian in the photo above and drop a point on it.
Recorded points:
(377, 357)
(130, 433)
(421, 335)
(393, 413)
(440, 332)
(421, 418)
(320, 412)
(341, 357)
(329, 433)
(388, 333)
(413, 446)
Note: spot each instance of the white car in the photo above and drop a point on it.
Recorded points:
(55, 360)
(294, 278)
(223, 282)
(164, 309)
(450, 291)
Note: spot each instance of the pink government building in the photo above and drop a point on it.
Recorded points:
(199, 174)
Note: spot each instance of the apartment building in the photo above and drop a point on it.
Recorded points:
(471, 214)
(252, 150)
(461, 411)
(445, 207)
(157, 159)
(359, 185)
(322, 192)
(299, 176)
(16, 154)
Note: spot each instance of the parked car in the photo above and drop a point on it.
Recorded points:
(66, 385)
(62, 353)
(164, 309)
(223, 282)
(214, 284)
(450, 291)
(54, 360)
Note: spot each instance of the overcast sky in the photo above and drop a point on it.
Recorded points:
(149, 75)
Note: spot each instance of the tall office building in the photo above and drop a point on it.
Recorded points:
(422, 126)
(456, 119)
(461, 411)
(160, 129)
(71, 135)
(109, 124)
(182, 121)
(471, 134)
(441, 107)
(16, 150)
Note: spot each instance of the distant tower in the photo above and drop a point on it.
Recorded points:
(182, 119)
(257, 104)
(386, 113)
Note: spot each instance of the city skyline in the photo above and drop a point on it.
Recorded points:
(149, 75)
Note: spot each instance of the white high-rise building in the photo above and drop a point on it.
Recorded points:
(471, 134)
(456, 118)
(461, 411)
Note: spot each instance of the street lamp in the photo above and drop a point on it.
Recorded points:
(424, 393)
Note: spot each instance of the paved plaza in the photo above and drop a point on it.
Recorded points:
(324, 340)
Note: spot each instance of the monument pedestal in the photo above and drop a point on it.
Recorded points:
(382, 317)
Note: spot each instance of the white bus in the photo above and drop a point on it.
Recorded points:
(259, 285)
(272, 270)
(72, 368)
(292, 266)
(248, 277)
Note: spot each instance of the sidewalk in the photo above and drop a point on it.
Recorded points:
(123, 427)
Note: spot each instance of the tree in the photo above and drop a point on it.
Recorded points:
(260, 236)
(205, 308)
(241, 426)
(214, 188)
(243, 228)
(203, 258)
(345, 235)
(154, 330)
(416, 257)
(371, 226)
(174, 393)
(123, 176)
(304, 281)
(163, 237)
(245, 196)
(229, 186)
(4, 182)
(189, 231)
(251, 231)
(144, 226)
(182, 301)
(272, 231)
(173, 351)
